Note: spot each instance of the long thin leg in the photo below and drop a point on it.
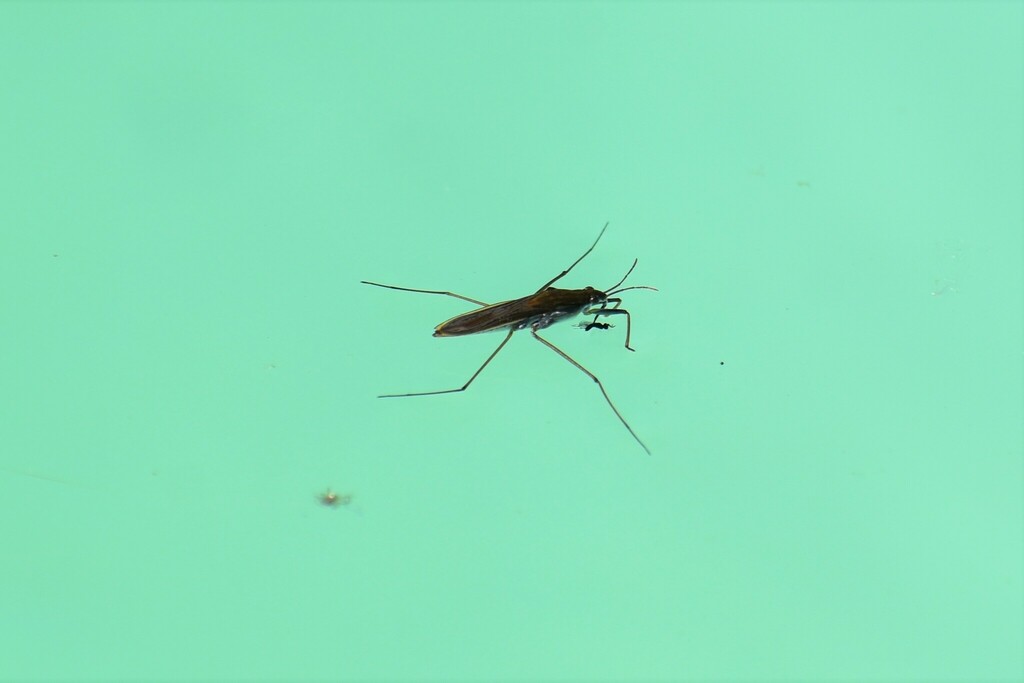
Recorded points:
(566, 271)
(424, 291)
(463, 387)
(600, 386)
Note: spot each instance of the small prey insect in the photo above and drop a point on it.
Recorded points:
(537, 311)
(331, 498)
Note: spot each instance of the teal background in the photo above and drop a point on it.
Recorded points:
(828, 197)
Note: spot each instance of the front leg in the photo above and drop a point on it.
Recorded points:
(614, 310)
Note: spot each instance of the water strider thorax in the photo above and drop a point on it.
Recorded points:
(561, 304)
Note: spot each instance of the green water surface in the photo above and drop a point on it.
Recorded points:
(826, 195)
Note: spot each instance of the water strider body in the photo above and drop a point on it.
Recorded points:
(545, 307)
(537, 311)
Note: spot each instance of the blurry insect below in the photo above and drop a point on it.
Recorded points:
(332, 499)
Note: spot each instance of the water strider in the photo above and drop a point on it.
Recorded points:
(541, 309)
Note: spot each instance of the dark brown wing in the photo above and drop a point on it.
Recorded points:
(556, 302)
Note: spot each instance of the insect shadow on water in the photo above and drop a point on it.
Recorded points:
(537, 311)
